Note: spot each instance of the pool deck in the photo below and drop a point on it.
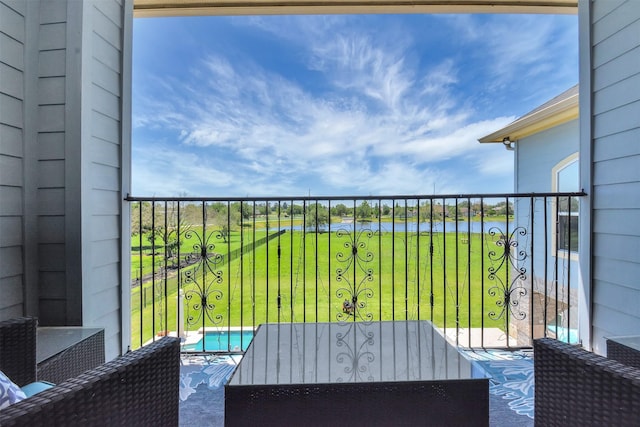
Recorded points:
(491, 337)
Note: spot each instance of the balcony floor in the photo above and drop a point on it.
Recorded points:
(511, 387)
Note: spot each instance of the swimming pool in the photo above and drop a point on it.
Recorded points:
(221, 341)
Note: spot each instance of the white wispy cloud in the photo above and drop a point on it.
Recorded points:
(378, 121)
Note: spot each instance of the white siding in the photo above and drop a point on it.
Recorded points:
(102, 65)
(615, 33)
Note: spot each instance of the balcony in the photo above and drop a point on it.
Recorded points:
(491, 271)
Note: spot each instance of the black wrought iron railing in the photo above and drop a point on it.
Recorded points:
(494, 270)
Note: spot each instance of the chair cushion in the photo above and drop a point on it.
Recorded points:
(33, 388)
(9, 392)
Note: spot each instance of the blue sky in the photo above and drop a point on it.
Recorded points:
(338, 105)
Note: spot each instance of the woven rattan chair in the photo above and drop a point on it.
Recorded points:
(138, 388)
(575, 387)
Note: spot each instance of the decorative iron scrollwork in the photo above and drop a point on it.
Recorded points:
(356, 356)
(355, 260)
(200, 281)
(508, 259)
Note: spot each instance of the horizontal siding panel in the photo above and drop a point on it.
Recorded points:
(12, 23)
(51, 173)
(105, 77)
(111, 10)
(10, 231)
(624, 273)
(52, 284)
(112, 339)
(621, 119)
(52, 12)
(616, 322)
(618, 171)
(51, 229)
(51, 90)
(105, 202)
(105, 128)
(51, 201)
(618, 145)
(11, 201)
(51, 257)
(619, 247)
(602, 8)
(105, 252)
(620, 298)
(51, 146)
(617, 196)
(104, 152)
(11, 52)
(12, 81)
(106, 276)
(11, 141)
(12, 293)
(11, 172)
(617, 221)
(105, 177)
(103, 302)
(105, 26)
(106, 102)
(105, 227)
(621, 93)
(51, 118)
(599, 343)
(617, 44)
(52, 36)
(10, 312)
(616, 70)
(11, 261)
(105, 53)
(11, 111)
(52, 63)
(608, 24)
(19, 6)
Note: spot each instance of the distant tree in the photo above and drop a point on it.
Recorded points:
(386, 210)
(339, 210)
(316, 216)
(160, 224)
(424, 212)
(364, 210)
(296, 210)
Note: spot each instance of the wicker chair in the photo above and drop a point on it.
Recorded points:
(137, 388)
(575, 387)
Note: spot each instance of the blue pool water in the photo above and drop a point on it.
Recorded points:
(222, 341)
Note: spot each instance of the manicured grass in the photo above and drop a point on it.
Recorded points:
(393, 276)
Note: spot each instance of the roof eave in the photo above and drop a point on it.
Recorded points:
(149, 8)
(554, 115)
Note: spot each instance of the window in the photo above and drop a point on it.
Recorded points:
(568, 208)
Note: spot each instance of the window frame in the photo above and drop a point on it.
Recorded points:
(556, 214)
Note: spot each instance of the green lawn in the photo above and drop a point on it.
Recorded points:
(392, 279)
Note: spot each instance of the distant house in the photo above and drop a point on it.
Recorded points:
(546, 146)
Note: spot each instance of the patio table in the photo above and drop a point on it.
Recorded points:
(356, 373)
(67, 351)
(624, 349)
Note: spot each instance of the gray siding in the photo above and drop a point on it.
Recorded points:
(12, 53)
(61, 131)
(52, 182)
(615, 39)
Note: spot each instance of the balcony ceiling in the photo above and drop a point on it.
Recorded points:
(150, 8)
